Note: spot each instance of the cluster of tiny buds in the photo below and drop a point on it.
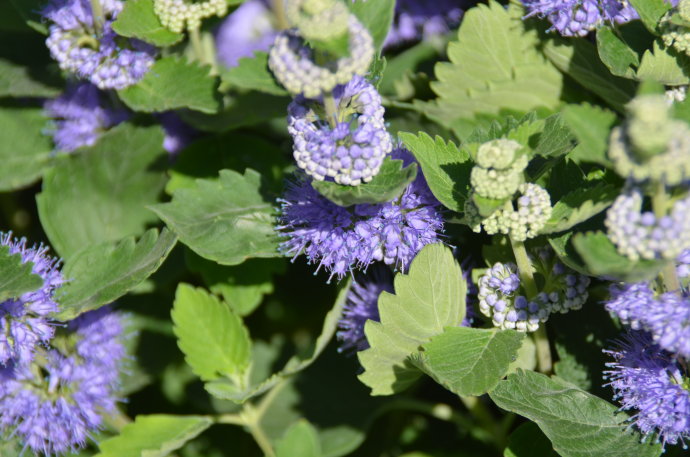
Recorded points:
(499, 169)
(674, 34)
(318, 19)
(649, 126)
(176, 15)
(639, 234)
(532, 213)
(293, 63)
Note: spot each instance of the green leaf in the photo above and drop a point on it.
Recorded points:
(664, 66)
(21, 81)
(650, 12)
(228, 220)
(404, 63)
(25, 151)
(426, 301)
(591, 126)
(555, 139)
(16, 277)
(214, 340)
(101, 193)
(172, 83)
(228, 391)
(578, 424)
(578, 58)
(495, 66)
(300, 440)
(528, 441)
(602, 259)
(387, 185)
(102, 273)
(580, 205)
(469, 361)
(138, 20)
(252, 73)
(376, 16)
(240, 110)
(155, 435)
(446, 168)
(616, 54)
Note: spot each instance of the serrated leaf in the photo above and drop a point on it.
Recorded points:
(172, 83)
(25, 151)
(555, 138)
(578, 424)
(102, 273)
(214, 340)
(227, 220)
(228, 391)
(469, 361)
(651, 11)
(494, 66)
(591, 126)
(664, 65)
(101, 193)
(387, 185)
(579, 205)
(602, 259)
(376, 16)
(155, 435)
(446, 168)
(16, 278)
(300, 440)
(21, 81)
(616, 54)
(138, 20)
(528, 441)
(428, 299)
(578, 58)
(252, 73)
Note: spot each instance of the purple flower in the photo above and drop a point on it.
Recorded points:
(422, 19)
(80, 117)
(646, 379)
(109, 61)
(341, 239)
(25, 321)
(352, 151)
(55, 403)
(248, 29)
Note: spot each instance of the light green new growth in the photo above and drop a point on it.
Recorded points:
(498, 172)
(649, 125)
(499, 154)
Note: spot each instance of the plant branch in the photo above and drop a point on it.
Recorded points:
(668, 276)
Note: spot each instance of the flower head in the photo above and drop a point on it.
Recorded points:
(353, 150)
(25, 320)
(647, 380)
(106, 59)
(499, 169)
(246, 30)
(54, 404)
(178, 15)
(341, 239)
(80, 117)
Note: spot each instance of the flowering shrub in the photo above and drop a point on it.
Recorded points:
(323, 228)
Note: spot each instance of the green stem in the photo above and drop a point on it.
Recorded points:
(253, 421)
(98, 18)
(331, 109)
(279, 13)
(197, 45)
(541, 339)
(229, 419)
(668, 276)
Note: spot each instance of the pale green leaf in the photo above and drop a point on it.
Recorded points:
(495, 66)
(580, 205)
(138, 20)
(300, 440)
(469, 361)
(155, 435)
(25, 151)
(377, 16)
(651, 11)
(102, 273)
(171, 83)
(213, 338)
(227, 220)
(101, 193)
(21, 81)
(578, 424)
(16, 277)
(664, 66)
(446, 168)
(591, 126)
(387, 185)
(252, 73)
(428, 299)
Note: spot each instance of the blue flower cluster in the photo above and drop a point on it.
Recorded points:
(579, 17)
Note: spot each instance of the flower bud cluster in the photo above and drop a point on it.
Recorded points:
(639, 234)
(674, 34)
(353, 150)
(499, 169)
(649, 126)
(176, 15)
(295, 66)
(106, 59)
(579, 17)
(532, 213)
(318, 19)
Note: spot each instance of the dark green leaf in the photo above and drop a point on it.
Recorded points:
(528, 441)
(579, 205)
(252, 73)
(138, 20)
(615, 53)
(21, 81)
(650, 12)
(16, 277)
